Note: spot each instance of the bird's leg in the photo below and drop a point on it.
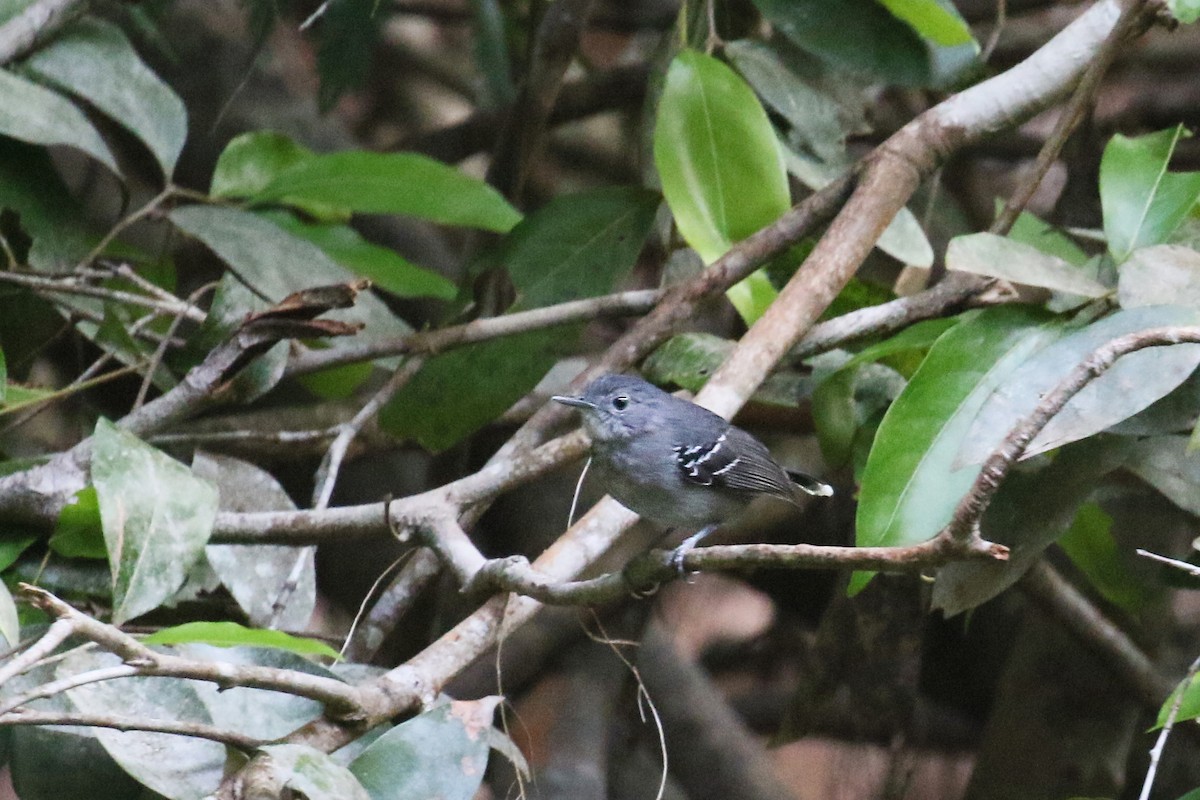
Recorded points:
(688, 544)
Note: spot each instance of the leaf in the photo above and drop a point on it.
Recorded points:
(441, 753)
(1028, 229)
(688, 360)
(252, 160)
(257, 575)
(313, 774)
(1190, 707)
(157, 517)
(40, 116)
(277, 263)
(384, 267)
(347, 32)
(574, 247)
(10, 625)
(856, 35)
(195, 766)
(392, 183)
(94, 60)
(1090, 545)
(1001, 257)
(939, 23)
(1132, 384)
(577, 246)
(911, 484)
(30, 185)
(721, 169)
(1143, 203)
(79, 532)
(1187, 12)
(12, 545)
(1167, 464)
(1160, 275)
(833, 403)
(231, 634)
(812, 114)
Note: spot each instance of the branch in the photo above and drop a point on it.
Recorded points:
(196, 730)
(71, 285)
(339, 699)
(965, 522)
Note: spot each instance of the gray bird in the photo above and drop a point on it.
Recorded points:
(676, 463)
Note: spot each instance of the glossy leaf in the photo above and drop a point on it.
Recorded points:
(94, 60)
(277, 263)
(384, 267)
(441, 753)
(721, 169)
(1171, 467)
(313, 774)
(157, 517)
(13, 544)
(38, 115)
(689, 360)
(1143, 202)
(933, 20)
(258, 575)
(1030, 512)
(1136, 381)
(911, 484)
(574, 247)
(1002, 257)
(195, 766)
(252, 160)
(393, 183)
(79, 531)
(30, 185)
(1160, 275)
(834, 411)
(1090, 545)
(1030, 230)
(231, 634)
(1188, 709)
(856, 35)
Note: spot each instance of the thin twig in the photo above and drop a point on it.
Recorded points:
(1161, 742)
(246, 744)
(1190, 569)
(151, 206)
(73, 286)
(70, 682)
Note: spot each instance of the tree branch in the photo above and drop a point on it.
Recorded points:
(196, 730)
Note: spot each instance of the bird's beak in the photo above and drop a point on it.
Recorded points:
(575, 402)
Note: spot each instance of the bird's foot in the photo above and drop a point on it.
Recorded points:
(688, 545)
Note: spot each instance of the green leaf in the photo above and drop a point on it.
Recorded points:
(314, 775)
(392, 183)
(12, 544)
(10, 625)
(1090, 545)
(79, 531)
(1132, 384)
(1143, 203)
(1001, 257)
(157, 517)
(231, 634)
(442, 753)
(688, 360)
(347, 31)
(834, 410)
(938, 23)
(574, 247)
(1171, 467)
(384, 267)
(252, 160)
(577, 246)
(94, 60)
(1031, 510)
(1187, 12)
(194, 767)
(1189, 709)
(1160, 275)
(856, 35)
(911, 484)
(258, 575)
(40, 116)
(721, 168)
(1028, 229)
(337, 383)
(30, 185)
(277, 263)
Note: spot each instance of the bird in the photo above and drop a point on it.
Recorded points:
(676, 463)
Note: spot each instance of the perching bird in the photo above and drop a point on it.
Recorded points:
(676, 463)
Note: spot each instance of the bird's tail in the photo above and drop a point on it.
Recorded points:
(810, 485)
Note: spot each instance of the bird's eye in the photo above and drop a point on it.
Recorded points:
(620, 402)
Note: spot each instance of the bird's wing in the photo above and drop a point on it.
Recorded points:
(734, 460)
